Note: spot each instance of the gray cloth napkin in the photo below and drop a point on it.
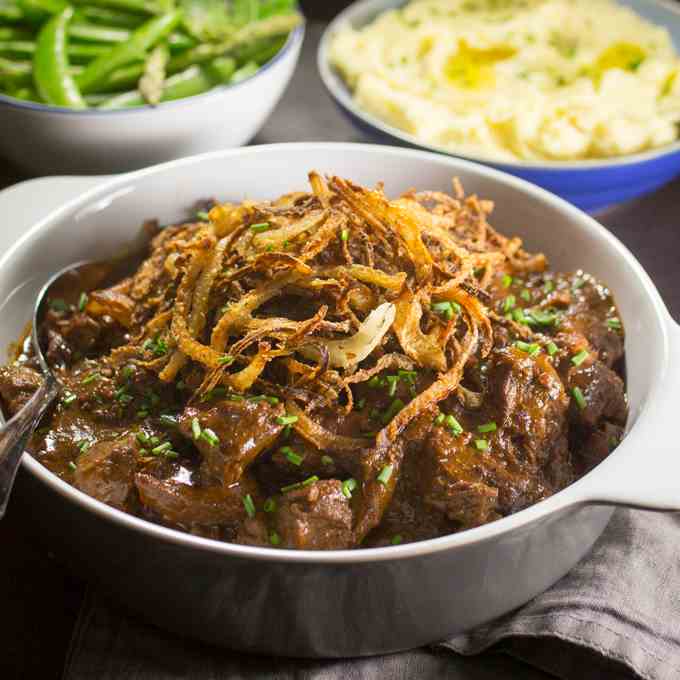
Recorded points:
(615, 616)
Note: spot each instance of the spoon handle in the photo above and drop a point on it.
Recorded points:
(15, 434)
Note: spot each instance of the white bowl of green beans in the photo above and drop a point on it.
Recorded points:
(102, 86)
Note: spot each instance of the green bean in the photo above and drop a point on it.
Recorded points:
(16, 73)
(110, 17)
(25, 94)
(10, 13)
(261, 51)
(141, 40)
(246, 71)
(14, 33)
(192, 81)
(274, 26)
(50, 64)
(23, 48)
(135, 6)
(98, 34)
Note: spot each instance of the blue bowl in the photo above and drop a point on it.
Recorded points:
(589, 184)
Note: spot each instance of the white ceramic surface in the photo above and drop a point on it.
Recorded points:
(51, 140)
(463, 579)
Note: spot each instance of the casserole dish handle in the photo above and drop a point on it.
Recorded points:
(645, 473)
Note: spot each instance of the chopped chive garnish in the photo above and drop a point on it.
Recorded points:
(161, 448)
(531, 348)
(348, 486)
(310, 480)
(259, 227)
(209, 436)
(578, 283)
(326, 460)
(487, 427)
(68, 398)
(270, 248)
(614, 324)
(344, 235)
(226, 360)
(392, 381)
(360, 404)
(548, 287)
(234, 397)
(91, 378)
(385, 474)
(82, 302)
(552, 348)
(374, 382)
(481, 444)
(453, 425)
(291, 456)
(269, 505)
(579, 398)
(58, 305)
(439, 419)
(128, 371)
(408, 376)
(286, 420)
(444, 308)
(300, 485)
(168, 420)
(83, 446)
(171, 454)
(509, 303)
(392, 411)
(249, 505)
(196, 428)
(274, 538)
(506, 281)
(203, 216)
(518, 315)
(264, 397)
(143, 438)
(525, 295)
(542, 318)
(72, 466)
(579, 358)
(396, 540)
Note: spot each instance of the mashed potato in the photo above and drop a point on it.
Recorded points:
(509, 79)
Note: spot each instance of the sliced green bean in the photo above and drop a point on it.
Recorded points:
(27, 48)
(10, 13)
(110, 17)
(141, 40)
(136, 6)
(14, 33)
(245, 71)
(98, 34)
(192, 81)
(274, 26)
(16, 73)
(27, 94)
(50, 64)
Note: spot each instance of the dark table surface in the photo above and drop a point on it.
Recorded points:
(40, 597)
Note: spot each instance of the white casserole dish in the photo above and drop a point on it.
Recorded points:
(348, 603)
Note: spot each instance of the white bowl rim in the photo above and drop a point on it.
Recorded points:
(295, 38)
(338, 91)
(575, 494)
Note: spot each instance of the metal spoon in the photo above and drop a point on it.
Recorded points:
(16, 432)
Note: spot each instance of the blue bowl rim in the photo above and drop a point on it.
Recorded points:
(340, 93)
(295, 37)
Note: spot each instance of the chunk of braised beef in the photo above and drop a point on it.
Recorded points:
(598, 445)
(106, 471)
(315, 517)
(603, 393)
(80, 331)
(451, 479)
(192, 507)
(17, 385)
(530, 400)
(241, 429)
